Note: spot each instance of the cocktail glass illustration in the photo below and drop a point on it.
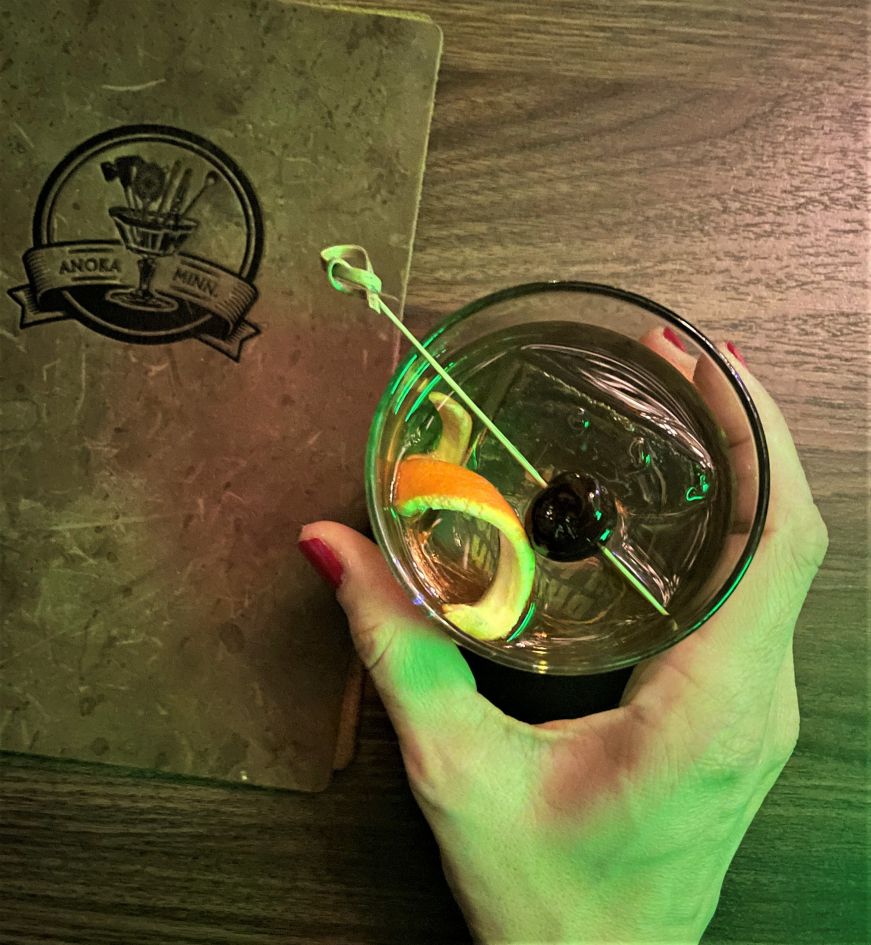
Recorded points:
(149, 238)
(155, 222)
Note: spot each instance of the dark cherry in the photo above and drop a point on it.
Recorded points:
(567, 520)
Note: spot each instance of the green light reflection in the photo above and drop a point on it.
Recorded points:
(523, 626)
(692, 494)
(413, 380)
(402, 374)
(426, 391)
(473, 458)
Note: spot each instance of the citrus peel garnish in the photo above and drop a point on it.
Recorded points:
(456, 429)
(436, 481)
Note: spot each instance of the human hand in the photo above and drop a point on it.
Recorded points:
(619, 826)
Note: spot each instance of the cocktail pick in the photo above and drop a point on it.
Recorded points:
(210, 181)
(170, 185)
(633, 580)
(365, 279)
(128, 166)
(180, 194)
(351, 280)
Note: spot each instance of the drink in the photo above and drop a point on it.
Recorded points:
(588, 404)
(584, 398)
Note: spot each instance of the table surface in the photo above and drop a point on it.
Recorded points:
(713, 157)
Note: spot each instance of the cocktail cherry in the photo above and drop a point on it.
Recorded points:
(569, 519)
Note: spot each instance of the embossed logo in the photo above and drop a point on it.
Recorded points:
(146, 234)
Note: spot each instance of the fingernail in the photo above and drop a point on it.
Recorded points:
(324, 561)
(732, 347)
(671, 335)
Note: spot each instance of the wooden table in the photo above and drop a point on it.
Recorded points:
(713, 157)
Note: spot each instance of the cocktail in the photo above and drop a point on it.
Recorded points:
(569, 504)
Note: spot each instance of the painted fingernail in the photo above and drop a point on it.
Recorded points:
(324, 561)
(671, 335)
(733, 348)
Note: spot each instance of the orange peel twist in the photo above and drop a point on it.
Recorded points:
(436, 480)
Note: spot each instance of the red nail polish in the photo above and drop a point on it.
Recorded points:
(731, 346)
(325, 562)
(671, 335)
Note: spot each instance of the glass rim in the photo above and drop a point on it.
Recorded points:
(757, 526)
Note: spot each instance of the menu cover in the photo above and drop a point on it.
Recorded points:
(181, 388)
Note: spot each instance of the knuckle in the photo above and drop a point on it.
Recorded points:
(816, 535)
(735, 768)
(787, 742)
(426, 773)
(807, 539)
(440, 777)
(372, 640)
(754, 748)
(787, 723)
(735, 754)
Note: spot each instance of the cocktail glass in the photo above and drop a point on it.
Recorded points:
(568, 373)
(149, 236)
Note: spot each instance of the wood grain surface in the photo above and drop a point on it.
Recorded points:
(713, 156)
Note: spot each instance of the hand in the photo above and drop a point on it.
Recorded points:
(620, 826)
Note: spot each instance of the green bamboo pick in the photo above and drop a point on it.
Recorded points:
(351, 281)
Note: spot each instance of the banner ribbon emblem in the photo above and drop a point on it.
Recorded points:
(61, 267)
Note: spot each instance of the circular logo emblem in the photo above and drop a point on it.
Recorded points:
(146, 234)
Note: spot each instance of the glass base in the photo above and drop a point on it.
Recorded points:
(143, 301)
(534, 698)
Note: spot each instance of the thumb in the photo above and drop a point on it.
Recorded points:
(423, 680)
